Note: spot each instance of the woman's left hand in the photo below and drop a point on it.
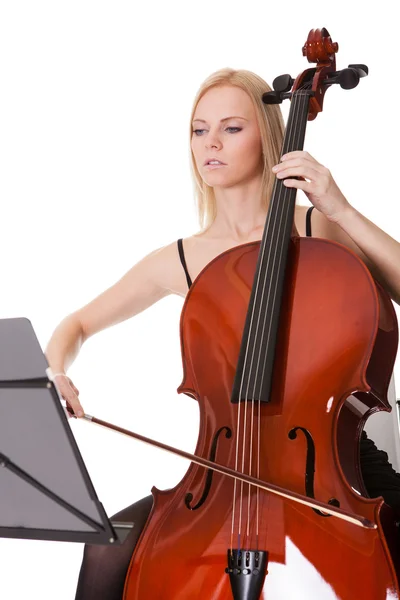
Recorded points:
(319, 187)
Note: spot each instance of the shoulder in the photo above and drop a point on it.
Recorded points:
(146, 282)
(300, 214)
(161, 260)
(326, 229)
(166, 269)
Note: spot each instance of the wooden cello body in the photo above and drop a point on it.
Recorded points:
(334, 312)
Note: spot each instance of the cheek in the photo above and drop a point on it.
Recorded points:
(194, 148)
(254, 148)
(249, 149)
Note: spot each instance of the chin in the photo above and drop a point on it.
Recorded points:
(217, 174)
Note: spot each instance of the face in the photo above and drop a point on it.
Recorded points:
(236, 141)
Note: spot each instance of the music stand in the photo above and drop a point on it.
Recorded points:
(45, 490)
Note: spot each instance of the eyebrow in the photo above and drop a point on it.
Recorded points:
(222, 120)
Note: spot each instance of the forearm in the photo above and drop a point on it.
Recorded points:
(381, 249)
(64, 344)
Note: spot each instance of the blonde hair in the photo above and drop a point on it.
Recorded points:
(271, 125)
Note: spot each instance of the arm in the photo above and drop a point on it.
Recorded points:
(337, 220)
(143, 285)
(64, 344)
(379, 251)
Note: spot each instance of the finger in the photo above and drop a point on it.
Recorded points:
(298, 162)
(300, 185)
(307, 172)
(297, 154)
(73, 403)
(77, 408)
(65, 385)
(69, 411)
(75, 389)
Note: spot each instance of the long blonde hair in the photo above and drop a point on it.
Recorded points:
(271, 125)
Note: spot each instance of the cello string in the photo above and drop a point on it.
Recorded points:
(284, 190)
(238, 429)
(239, 419)
(279, 202)
(282, 207)
(275, 217)
(246, 400)
(281, 214)
(235, 481)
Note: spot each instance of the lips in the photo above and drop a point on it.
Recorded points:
(211, 159)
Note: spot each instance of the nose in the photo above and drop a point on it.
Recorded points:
(212, 141)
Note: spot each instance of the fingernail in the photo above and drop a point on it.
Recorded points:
(79, 413)
(275, 168)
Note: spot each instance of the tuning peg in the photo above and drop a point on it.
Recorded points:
(361, 69)
(349, 78)
(283, 83)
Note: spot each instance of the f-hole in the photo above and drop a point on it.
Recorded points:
(210, 472)
(310, 468)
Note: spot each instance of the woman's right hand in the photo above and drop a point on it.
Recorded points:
(70, 394)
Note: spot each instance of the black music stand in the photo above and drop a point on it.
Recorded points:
(45, 490)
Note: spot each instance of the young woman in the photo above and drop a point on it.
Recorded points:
(235, 148)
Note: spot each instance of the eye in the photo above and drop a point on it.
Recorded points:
(236, 128)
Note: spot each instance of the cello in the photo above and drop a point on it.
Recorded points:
(288, 345)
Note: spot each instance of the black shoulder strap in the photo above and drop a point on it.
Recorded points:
(308, 221)
(183, 261)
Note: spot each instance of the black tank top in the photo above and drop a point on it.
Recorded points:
(182, 254)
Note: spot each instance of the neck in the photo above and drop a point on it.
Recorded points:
(239, 211)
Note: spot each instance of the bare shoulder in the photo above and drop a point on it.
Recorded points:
(300, 219)
(169, 270)
(322, 227)
(147, 281)
(198, 251)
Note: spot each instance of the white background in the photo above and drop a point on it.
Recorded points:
(94, 156)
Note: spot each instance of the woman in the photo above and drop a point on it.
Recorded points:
(232, 128)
